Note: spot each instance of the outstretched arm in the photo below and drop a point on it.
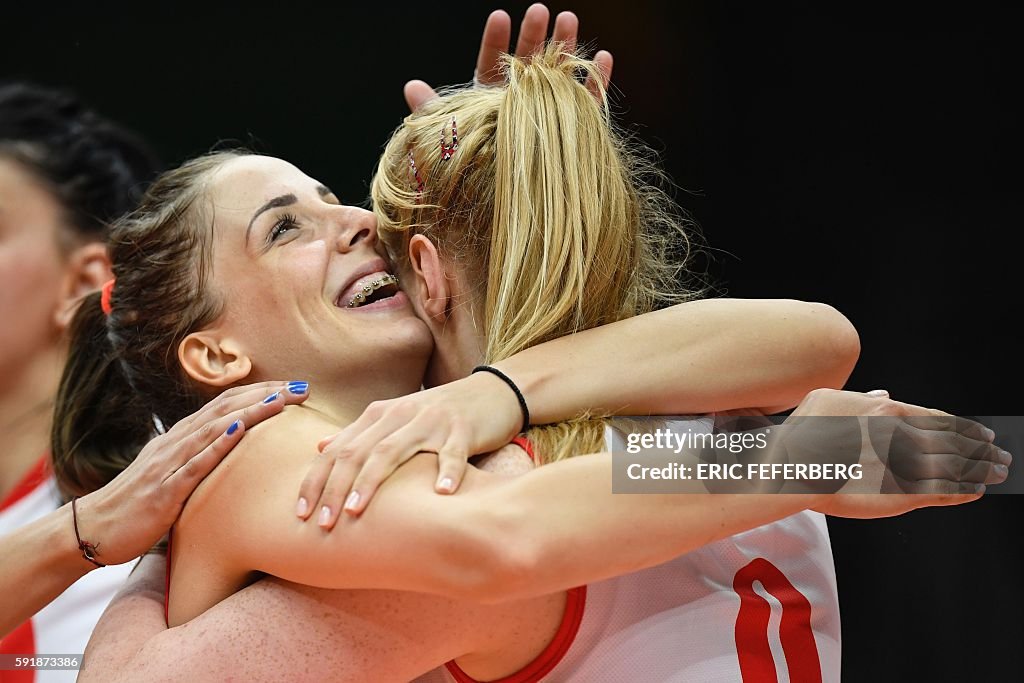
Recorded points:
(500, 539)
(696, 357)
(351, 635)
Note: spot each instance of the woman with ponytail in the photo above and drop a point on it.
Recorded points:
(281, 277)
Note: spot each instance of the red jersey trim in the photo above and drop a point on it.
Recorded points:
(33, 479)
(542, 665)
(525, 444)
(548, 659)
(20, 641)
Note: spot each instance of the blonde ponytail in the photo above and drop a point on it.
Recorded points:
(550, 213)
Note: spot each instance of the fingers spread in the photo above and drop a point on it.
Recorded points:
(311, 491)
(533, 30)
(605, 62)
(229, 400)
(567, 28)
(417, 93)
(336, 494)
(495, 41)
(956, 468)
(226, 430)
(184, 479)
(385, 456)
(949, 492)
(236, 399)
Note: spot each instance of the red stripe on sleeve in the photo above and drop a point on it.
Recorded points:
(32, 479)
(20, 641)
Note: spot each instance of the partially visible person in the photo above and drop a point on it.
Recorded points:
(39, 560)
(65, 174)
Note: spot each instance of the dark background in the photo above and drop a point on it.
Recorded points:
(865, 157)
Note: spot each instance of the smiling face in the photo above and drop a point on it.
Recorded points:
(305, 292)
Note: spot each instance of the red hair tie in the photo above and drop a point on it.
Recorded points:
(106, 293)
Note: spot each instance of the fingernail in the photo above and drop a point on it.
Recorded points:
(302, 508)
(298, 387)
(445, 485)
(234, 427)
(979, 488)
(352, 501)
(325, 515)
(1005, 457)
(273, 397)
(989, 434)
(1001, 470)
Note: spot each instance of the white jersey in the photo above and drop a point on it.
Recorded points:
(755, 607)
(63, 627)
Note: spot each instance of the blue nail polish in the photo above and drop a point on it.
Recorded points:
(234, 427)
(298, 387)
(273, 397)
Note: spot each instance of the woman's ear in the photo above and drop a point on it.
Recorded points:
(213, 361)
(87, 269)
(432, 288)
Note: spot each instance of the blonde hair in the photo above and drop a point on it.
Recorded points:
(554, 216)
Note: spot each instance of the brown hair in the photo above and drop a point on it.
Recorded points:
(553, 215)
(123, 373)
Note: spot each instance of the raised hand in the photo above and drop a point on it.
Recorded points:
(913, 456)
(496, 40)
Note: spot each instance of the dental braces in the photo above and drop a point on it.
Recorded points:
(371, 287)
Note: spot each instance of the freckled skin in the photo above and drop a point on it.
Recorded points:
(341, 635)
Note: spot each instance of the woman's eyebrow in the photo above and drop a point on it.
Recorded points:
(276, 202)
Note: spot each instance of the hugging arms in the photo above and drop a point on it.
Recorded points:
(399, 543)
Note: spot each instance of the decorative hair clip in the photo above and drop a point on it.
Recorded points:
(448, 150)
(105, 293)
(416, 176)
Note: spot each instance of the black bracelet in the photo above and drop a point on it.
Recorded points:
(89, 551)
(512, 385)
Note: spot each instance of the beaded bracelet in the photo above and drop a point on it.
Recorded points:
(512, 385)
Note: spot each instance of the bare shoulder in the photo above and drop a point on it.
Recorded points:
(280, 448)
(215, 532)
(510, 459)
